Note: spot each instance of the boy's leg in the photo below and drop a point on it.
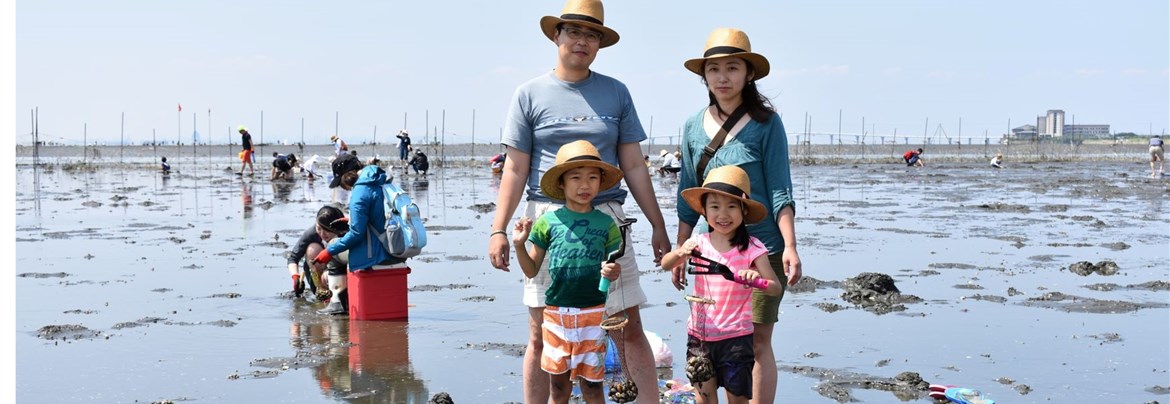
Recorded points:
(560, 388)
(591, 391)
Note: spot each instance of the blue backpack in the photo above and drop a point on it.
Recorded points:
(405, 235)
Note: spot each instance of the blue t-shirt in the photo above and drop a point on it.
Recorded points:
(547, 112)
(575, 245)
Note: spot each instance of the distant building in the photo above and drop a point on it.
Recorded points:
(1026, 132)
(1087, 131)
(1051, 124)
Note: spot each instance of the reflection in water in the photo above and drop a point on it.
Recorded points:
(281, 189)
(364, 361)
(246, 197)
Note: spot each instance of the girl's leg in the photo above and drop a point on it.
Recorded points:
(705, 393)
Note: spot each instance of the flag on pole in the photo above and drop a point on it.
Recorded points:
(180, 107)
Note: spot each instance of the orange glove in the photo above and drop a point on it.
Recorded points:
(323, 257)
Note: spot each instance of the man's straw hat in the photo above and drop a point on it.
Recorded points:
(587, 13)
(578, 154)
(731, 181)
(725, 42)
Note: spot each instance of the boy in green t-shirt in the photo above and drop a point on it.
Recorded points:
(577, 239)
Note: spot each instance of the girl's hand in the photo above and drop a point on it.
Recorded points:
(521, 229)
(748, 275)
(687, 247)
(611, 271)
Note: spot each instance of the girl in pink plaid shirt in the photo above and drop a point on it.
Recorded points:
(722, 331)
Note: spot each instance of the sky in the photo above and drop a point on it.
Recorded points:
(373, 67)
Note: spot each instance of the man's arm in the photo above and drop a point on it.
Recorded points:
(512, 183)
(640, 186)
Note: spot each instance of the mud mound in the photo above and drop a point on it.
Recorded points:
(66, 331)
(876, 293)
(1086, 268)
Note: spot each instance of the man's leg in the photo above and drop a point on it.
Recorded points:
(536, 380)
(639, 357)
(764, 372)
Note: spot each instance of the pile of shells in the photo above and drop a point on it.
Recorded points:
(699, 369)
(324, 295)
(623, 392)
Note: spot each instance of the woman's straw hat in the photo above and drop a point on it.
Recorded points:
(332, 138)
(725, 42)
(731, 181)
(577, 154)
(588, 13)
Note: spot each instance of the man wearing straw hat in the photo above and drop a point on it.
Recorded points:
(574, 103)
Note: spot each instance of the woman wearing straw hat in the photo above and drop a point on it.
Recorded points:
(575, 103)
(741, 126)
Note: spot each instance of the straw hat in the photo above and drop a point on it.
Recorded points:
(587, 13)
(578, 154)
(332, 138)
(731, 181)
(725, 42)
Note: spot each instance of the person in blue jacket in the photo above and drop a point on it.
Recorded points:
(367, 218)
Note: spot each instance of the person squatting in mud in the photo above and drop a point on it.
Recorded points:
(722, 332)
(366, 211)
(329, 224)
(576, 239)
(569, 103)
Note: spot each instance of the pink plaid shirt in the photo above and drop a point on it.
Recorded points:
(731, 315)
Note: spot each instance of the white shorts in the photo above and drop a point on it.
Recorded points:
(624, 293)
(1156, 153)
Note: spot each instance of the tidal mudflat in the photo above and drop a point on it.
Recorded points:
(1046, 282)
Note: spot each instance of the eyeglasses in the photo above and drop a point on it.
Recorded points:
(576, 33)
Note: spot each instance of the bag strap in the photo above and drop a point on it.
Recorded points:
(717, 141)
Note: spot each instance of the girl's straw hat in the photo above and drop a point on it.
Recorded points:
(725, 42)
(588, 13)
(731, 181)
(577, 154)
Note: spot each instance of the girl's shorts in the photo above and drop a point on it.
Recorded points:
(733, 358)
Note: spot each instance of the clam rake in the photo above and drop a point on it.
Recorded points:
(700, 265)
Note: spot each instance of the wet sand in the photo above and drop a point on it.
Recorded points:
(1042, 282)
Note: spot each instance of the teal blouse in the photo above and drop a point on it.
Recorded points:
(761, 150)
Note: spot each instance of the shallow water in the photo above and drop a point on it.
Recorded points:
(183, 283)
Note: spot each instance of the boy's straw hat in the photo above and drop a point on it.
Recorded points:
(725, 42)
(577, 154)
(588, 13)
(731, 181)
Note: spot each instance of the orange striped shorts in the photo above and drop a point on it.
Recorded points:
(574, 342)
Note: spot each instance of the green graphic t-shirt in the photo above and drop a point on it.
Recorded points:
(575, 244)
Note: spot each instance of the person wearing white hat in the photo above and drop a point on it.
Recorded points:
(570, 103)
(739, 127)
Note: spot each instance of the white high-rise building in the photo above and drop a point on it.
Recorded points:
(1053, 123)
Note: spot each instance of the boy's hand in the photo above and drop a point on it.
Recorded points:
(520, 230)
(611, 271)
